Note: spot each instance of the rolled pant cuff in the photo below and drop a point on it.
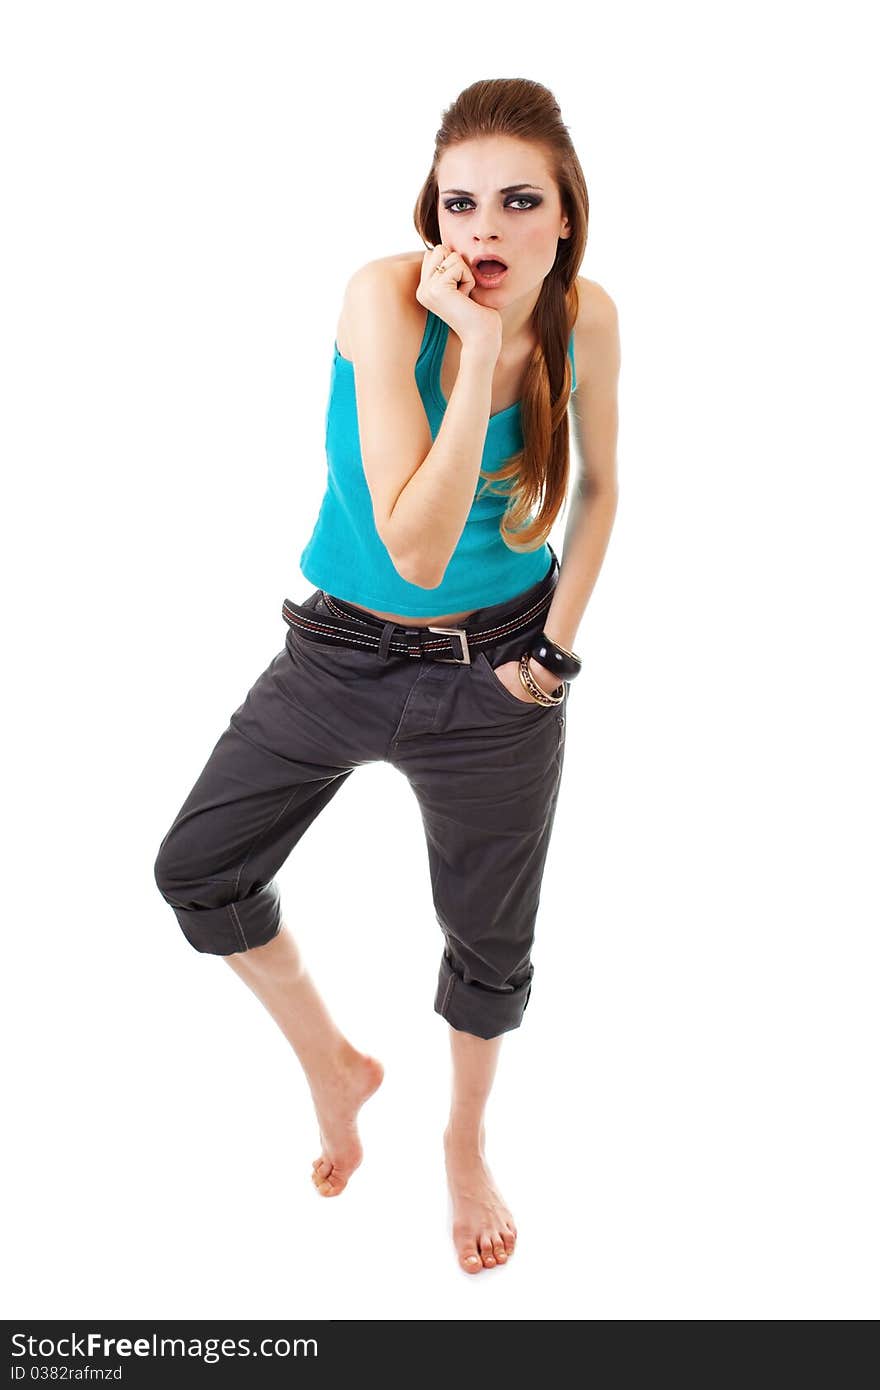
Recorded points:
(239, 926)
(474, 1008)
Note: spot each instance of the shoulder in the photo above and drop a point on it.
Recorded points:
(596, 330)
(381, 291)
(597, 312)
(400, 269)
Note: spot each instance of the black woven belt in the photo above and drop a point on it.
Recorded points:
(421, 643)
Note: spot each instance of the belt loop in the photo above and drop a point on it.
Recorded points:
(385, 640)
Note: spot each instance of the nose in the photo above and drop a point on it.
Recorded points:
(483, 246)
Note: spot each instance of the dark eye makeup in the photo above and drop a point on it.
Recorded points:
(455, 203)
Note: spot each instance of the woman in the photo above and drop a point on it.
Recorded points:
(439, 637)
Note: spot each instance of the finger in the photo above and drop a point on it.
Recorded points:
(456, 268)
(433, 269)
(464, 274)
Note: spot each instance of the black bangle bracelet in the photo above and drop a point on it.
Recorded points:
(562, 663)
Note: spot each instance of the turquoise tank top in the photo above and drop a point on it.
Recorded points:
(345, 554)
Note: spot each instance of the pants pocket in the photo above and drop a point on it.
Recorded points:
(495, 684)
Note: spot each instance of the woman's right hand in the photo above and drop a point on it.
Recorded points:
(446, 293)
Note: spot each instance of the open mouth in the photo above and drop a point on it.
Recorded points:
(489, 271)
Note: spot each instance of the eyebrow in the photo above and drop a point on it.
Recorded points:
(511, 188)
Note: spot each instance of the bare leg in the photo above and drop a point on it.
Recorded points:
(340, 1078)
(482, 1227)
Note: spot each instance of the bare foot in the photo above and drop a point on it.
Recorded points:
(338, 1096)
(482, 1227)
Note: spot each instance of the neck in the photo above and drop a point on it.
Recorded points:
(517, 328)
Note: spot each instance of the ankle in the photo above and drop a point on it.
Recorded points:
(465, 1133)
(331, 1062)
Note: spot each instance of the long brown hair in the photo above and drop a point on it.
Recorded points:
(528, 111)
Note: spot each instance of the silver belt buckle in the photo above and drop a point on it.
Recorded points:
(461, 634)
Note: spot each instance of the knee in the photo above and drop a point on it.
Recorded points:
(217, 912)
(162, 870)
(169, 868)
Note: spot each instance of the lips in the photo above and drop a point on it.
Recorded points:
(489, 271)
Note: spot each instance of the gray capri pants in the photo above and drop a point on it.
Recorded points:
(485, 767)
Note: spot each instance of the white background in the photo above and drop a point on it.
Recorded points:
(685, 1127)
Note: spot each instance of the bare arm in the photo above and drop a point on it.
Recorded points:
(594, 414)
(431, 511)
(421, 492)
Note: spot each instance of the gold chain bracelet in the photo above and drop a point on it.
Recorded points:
(528, 682)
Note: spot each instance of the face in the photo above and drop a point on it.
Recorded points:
(522, 226)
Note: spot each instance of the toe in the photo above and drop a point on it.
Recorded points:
(331, 1186)
(486, 1250)
(498, 1249)
(470, 1260)
(323, 1177)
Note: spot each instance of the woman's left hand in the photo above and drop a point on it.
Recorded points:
(508, 674)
